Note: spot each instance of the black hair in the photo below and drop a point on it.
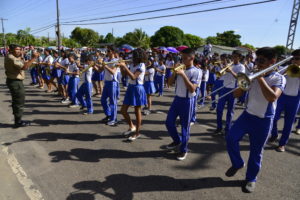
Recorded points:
(188, 51)
(197, 61)
(223, 55)
(237, 52)
(296, 52)
(89, 58)
(72, 55)
(268, 52)
(139, 56)
(48, 50)
(14, 46)
(113, 49)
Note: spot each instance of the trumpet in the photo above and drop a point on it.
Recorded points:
(115, 62)
(244, 81)
(222, 72)
(179, 67)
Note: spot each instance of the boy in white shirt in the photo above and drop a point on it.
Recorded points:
(257, 118)
(183, 105)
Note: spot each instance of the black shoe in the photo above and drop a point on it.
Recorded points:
(273, 138)
(105, 120)
(21, 124)
(172, 146)
(232, 171)
(219, 131)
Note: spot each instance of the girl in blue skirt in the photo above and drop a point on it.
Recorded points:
(149, 86)
(135, 94)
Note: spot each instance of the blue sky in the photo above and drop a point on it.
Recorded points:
(260, 25)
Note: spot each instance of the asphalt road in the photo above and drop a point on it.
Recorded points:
(65, 155)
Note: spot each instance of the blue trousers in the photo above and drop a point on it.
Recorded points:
(34, 75)
(125, 81)
(218, 83)
(72, 89)
(182, 107)
(109, 99)
(258, 130)
(86, 90)
(288, 104)
(230, 100)
(202, 92)
(159, 84)
(194, 115)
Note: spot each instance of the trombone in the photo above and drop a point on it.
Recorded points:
(222, 72)
(179, 67)
(244, 81)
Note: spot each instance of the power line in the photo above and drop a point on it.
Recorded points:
(149, 11)
(174, 15)
(50, 25)
(33, 33)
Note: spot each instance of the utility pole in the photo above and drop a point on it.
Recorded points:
(58, 26)
(293, 25)
(4, 40)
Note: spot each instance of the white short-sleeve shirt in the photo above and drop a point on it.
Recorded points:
(194, 75)
(292, 86)
(150, 75)
(48, 59)
(257, 104)
(205, 75)
(107, 75)
(162, 68)
(88, 74)
(170, 63)
(72, 67)
(137, 68)
(228, 78)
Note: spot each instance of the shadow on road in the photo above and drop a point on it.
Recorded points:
(124, 186)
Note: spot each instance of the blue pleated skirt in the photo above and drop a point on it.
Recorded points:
(64, 79)
(149, 87)
(98, 76)
(168, 73)
(56, 73)
(135, 96)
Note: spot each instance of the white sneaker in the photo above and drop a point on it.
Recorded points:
(132, 138)
(66, 101)
(126, 133)
(181, 156)
(298, 131)
(73, 106)
(192, 123)
(111, 123)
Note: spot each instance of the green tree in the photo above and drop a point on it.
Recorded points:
(137, 38)
(67, 42)
(229, 38)
(24, 37)
(281, 50)
(11, 38)
(249, 46)
(212, 40)
(109, 38)
(193, 41)
(168, 36)
(85, 36)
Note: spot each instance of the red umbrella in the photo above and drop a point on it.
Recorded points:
(182, 47)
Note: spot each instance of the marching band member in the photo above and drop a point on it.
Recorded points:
(183, 104)
(46, 69)
(33, 70)
(110, 89)
(169, 66)
(149, 86)
(86, 87)
(159, 77)
(135, 94)
(97, 77)
(64, 77)
(197, 64)
(218, 83)
(289, 103)
(73, 71)
(256, 120)
(205, 76)
(56, 72)
(230, 83)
